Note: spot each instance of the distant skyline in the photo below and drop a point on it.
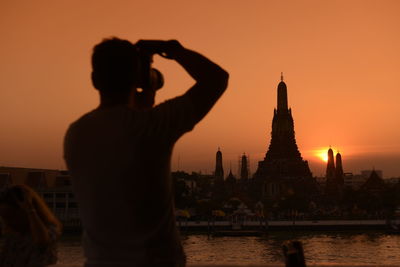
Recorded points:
(340, 59)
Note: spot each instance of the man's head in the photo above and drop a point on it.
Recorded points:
(115, 66)
(116, 74)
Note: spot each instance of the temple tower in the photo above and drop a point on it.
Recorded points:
(244, 170)
(330, 167)
(334, 176)
(339, 170)
(283, 169)
(330, 188)
(219, 170)
(282, 96)
(374, 184)
(230, 183)
(283, 143)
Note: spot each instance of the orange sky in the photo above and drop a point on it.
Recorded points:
(341, 61)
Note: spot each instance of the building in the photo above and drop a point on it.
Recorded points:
(283, 170)
(230, 183)
(367, 173)
(354, 181)
(53, 185)
(393, 180)
(35, 178)
(61, 200)
(374, 184)
(5, 180)
(190, 180)
(321, 181)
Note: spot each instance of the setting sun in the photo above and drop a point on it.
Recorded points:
(322, 154)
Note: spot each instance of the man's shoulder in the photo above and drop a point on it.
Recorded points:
(82, 119)
(99, 114)
(177, 106)
(175, 115)
(179, 100)
(79, 131)
(83, 122)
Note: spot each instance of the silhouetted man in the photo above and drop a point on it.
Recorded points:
(119, 156)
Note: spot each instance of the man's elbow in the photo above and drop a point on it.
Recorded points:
(216, 81)
(221, 79)
(225, 77)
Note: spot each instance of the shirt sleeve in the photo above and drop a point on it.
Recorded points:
(175, 116)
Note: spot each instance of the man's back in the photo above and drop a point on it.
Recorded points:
(119, 154)
(120, 161)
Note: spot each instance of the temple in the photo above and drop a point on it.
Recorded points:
(219, 170)
(283, 170)
(334, 176)
(244, 168)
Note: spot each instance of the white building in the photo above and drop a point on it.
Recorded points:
(354, 181)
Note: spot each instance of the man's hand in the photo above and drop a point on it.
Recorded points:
(171, 49)
(211, 79)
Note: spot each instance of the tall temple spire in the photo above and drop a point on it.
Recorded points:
(283, 169)
(283, 143)
(219, 170)
(282, 96)
(244, 170)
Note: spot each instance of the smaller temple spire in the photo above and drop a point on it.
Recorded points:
(339, 170)
(244, 170)
(330, 167)
(219, 170)
(281, 76)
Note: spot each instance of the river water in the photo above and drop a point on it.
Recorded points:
(322, 248)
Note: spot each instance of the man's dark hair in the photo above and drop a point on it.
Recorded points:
(115, 65)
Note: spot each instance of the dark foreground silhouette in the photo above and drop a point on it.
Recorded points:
(29, 228)
(119, 153)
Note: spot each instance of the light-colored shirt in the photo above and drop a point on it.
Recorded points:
(119, 160)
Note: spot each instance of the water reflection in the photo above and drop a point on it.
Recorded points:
(340, 248)
(225, 250)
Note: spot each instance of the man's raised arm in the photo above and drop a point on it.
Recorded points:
(211, 79)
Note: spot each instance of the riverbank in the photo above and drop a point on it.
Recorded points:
(252, 228)
(272, 226)
(308, 225)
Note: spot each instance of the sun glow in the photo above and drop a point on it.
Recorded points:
(322, 154)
